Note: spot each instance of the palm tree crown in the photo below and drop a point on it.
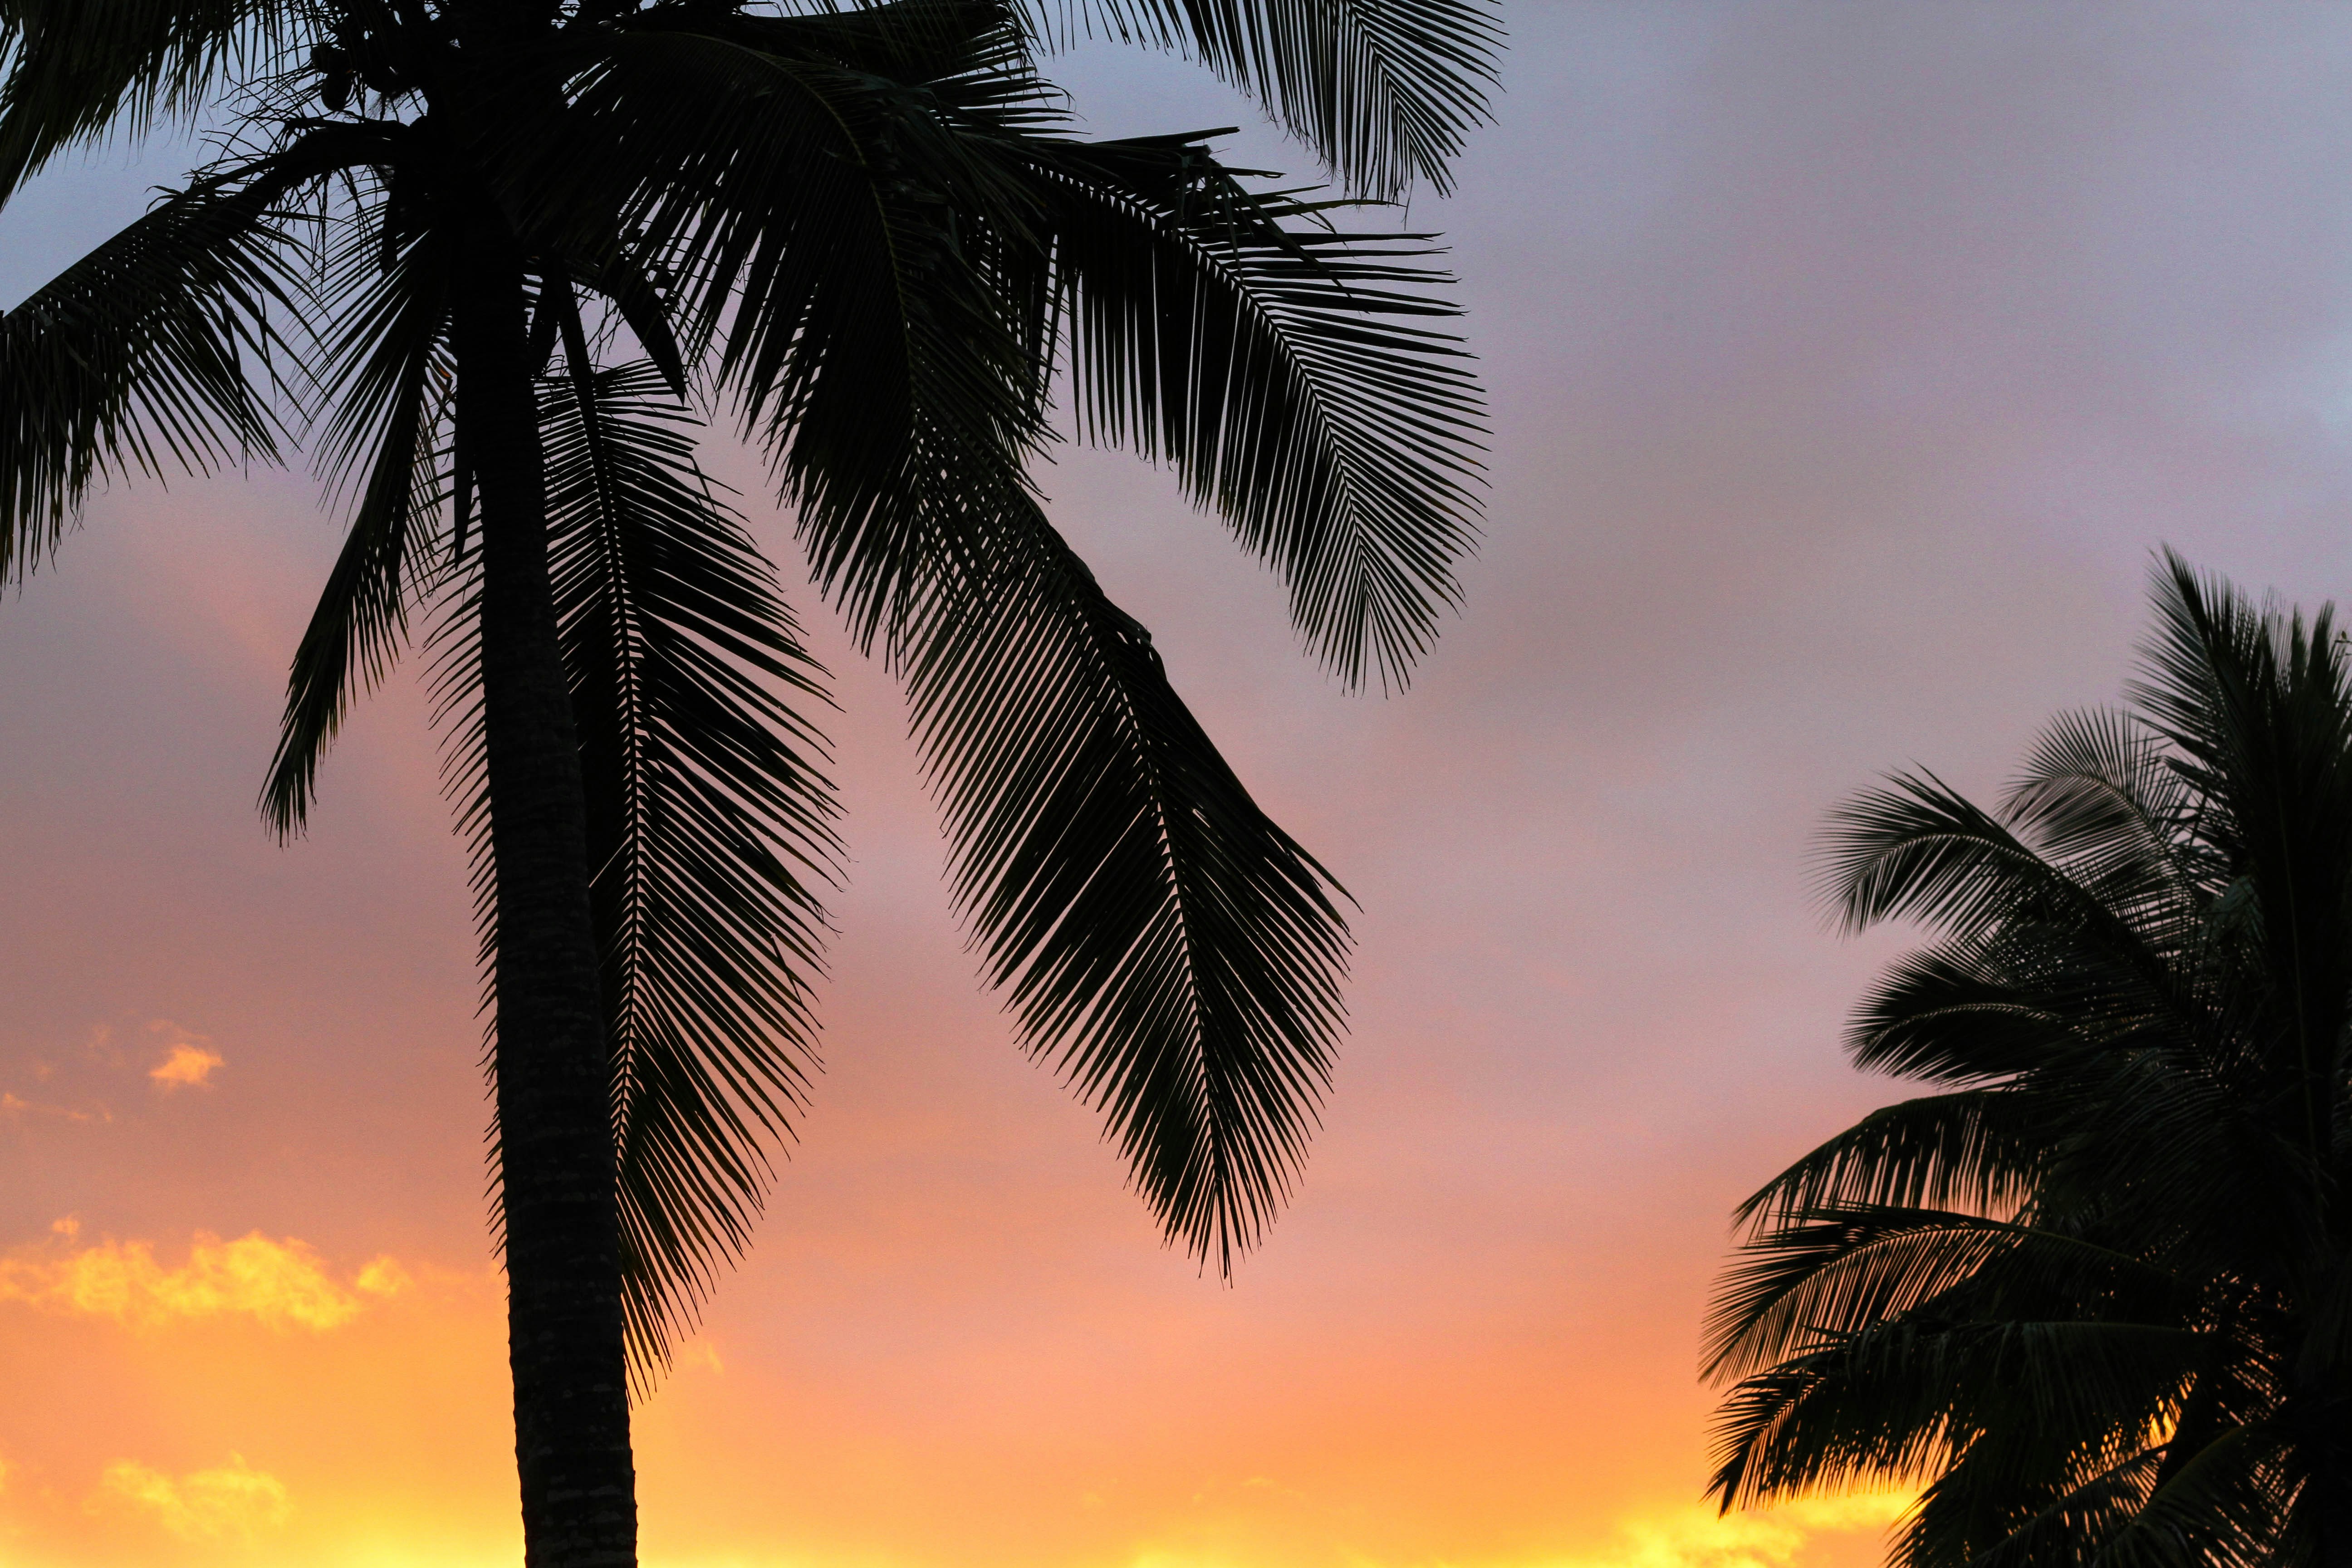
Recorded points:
(2093, 1292)
(495, 260)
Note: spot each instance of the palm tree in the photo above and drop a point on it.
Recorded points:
(2095, 1291)
(495, 258)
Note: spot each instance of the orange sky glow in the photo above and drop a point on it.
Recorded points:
(1848, 361)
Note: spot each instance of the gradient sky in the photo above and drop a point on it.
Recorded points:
(1848, 359)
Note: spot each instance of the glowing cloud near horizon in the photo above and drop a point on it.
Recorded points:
(280, 1284)
(233, 1502)
(1698, 1537)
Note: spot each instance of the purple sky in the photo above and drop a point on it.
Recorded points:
(1848, 362)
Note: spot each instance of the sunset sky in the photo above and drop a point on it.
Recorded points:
(1848, 362)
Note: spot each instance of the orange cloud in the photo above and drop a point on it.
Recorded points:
(188, 1064)
(382, 1276)
(1688, 1535)
(188, 1058)
(281, 1284)
(1695, 1536)
(235, 1502)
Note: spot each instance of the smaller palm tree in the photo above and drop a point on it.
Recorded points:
(2094, 1292)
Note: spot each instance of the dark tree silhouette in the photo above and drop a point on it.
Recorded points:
(494, 258)
(2093, 1292)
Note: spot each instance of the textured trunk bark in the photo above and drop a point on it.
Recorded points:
(562, 1256)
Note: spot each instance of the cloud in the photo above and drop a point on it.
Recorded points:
(188, 1058)
(233, 1502)
(1686, 1536)
(16, 1105)
(187, 1065)
(1698, 1537)
(280, 1284)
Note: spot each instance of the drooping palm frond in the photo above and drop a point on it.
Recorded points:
(1164, 944)
(1159, 937)
(1277, 362)
(76, 70)
(710, 828)
(709, 823)
(1383, 91)
(1282, 367)
(152, 353)
(389, 378)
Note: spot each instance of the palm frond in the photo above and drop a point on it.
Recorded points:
(1902, 1402)
(1982, 1511)
(1955, 1013)
(2259, 705)
(2222, 1504)
(1976, 1148)
(2097, 797)
(1281, 365)
(81, 70)
(1843, 1269)
(813, 219)
(1169, 948)
(1384, 91)
(389, 376)
(710, 826)
(1912, 847)
(152, 353)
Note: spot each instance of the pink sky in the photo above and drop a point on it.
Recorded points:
(1848, 362)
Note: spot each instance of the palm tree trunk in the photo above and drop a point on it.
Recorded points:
(555, 1156)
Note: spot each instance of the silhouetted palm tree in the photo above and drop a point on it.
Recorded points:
(2095, 1291)
(489, 254)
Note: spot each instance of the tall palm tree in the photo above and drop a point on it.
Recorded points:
(2094, 1292)
(495, 258)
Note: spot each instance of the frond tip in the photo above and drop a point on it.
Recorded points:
(1164, 944)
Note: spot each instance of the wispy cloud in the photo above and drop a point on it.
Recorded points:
(234, 1502)
(1686, 1536)
(13, 1104)
(280, 1284)
(171, 1056)
(1698, 1537)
